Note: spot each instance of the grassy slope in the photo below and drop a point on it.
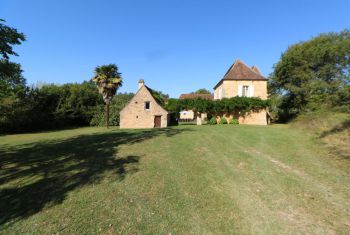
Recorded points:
(332, 128)
(183, 180)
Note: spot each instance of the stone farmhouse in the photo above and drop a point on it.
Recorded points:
(143, 110)
(241, 80)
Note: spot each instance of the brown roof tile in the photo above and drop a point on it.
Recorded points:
(240, 71)
(256, 69)
(195, 96)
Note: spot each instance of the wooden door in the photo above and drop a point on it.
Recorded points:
(157, 121)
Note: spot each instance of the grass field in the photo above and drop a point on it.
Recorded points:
(220, 179)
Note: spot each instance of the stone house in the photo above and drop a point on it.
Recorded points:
(241, 80)
(143, 110)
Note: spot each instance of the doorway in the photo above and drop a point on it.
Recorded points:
(157, 121)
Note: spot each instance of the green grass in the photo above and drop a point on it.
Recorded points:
(331, 127)
(222, 179)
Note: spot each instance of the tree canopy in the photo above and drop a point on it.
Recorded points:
(108, 80)
(9, 37)
(313, 74)
(202, 91)
(12, 83)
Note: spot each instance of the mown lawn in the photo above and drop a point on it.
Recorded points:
(220, 179)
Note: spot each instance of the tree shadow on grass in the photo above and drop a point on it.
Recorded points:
(338, 128)
(341, 150)
(40, 174)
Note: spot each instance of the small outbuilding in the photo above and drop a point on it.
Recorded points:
(144, 111)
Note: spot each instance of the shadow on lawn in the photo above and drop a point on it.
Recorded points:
(338, 128)
(41, 174)
(338, 148)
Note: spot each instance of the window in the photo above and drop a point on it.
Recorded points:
(147, 105)
(245, 91)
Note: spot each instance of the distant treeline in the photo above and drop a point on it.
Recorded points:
(57, 106)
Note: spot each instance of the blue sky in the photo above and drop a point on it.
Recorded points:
(176, 46)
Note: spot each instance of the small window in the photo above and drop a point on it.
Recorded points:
(147, 105)
(245, 91)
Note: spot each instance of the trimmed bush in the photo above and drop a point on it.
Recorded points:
(212, 121)
(223, 121)
(234, 121)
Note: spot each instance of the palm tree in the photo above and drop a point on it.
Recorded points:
(108, 80)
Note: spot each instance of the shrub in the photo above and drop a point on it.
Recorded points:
(223, 121)
(234, 121)
(212, 121)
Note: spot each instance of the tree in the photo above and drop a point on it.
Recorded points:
(12, 82)
(159, 96)
(202, 91)
(313, 74)
(108, 80)
(8, 37)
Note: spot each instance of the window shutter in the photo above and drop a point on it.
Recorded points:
(251, 92)
(239, 90)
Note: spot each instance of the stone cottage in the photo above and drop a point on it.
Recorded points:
(143, 111)
(241, 80)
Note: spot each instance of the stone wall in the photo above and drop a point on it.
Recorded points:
(254, 118)
(230, 88)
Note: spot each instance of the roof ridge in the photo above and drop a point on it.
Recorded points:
(233, 65)
(256, 70)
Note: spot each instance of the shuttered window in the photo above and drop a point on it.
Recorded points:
(245, 91)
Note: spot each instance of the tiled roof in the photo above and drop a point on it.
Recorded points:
(240, 71)
(256, 69)
(195, 96)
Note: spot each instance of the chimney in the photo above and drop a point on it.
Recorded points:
(141, 83)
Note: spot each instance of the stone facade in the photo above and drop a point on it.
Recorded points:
(240, 80)
(253, 118)
(138, 114)
(232, 88)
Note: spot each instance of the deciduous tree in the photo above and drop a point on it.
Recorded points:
(9, 37)
(313, 74)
